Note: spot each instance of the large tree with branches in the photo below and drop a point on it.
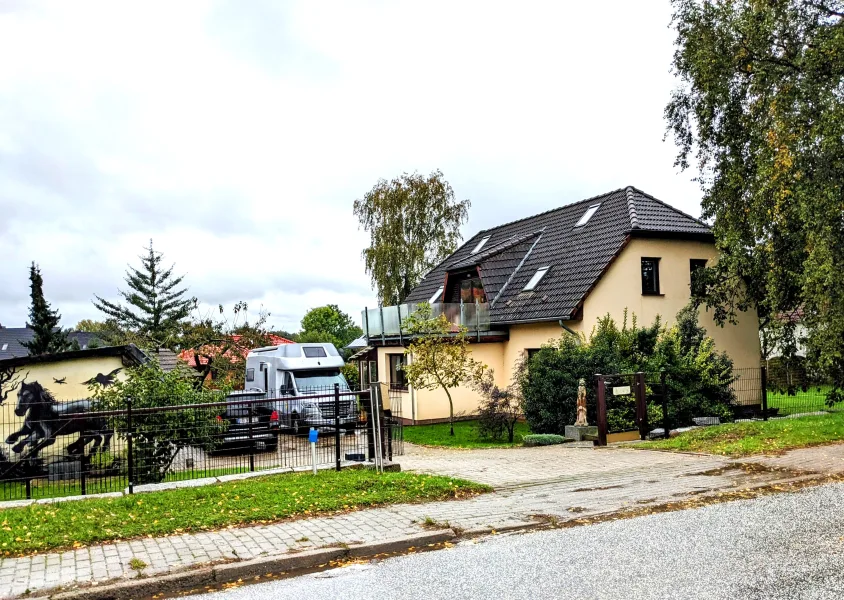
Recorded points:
(49, 337)
(760, 108)
(413, 223)
(155, 304)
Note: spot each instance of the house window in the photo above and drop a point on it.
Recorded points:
(695, 265)
(588, 215)
(534, 281)
(480, 245)
(398, 381)
(472, 290)
(531, 352)
(436, 295)
(650, 276)
(5, 347)
(373, 371)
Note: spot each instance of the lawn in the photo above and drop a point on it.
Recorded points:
(812, 400)
(73, 524)
(756, 437)
(465, 436)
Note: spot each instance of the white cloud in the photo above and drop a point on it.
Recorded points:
(237, 135)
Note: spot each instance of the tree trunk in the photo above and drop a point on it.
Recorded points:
(450, 412)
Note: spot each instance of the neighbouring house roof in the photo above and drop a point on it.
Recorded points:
(167, 359)
(189, 356)
(357, 343)
(577, 256)
(11, 338)
(130, 353)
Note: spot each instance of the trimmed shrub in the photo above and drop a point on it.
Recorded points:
(543, 439)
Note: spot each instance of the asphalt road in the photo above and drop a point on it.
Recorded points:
(783, 546)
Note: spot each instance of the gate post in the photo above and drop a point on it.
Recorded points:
(764, 376)
(602, 411)
(641, 405)
(662, 380)
(130, 457)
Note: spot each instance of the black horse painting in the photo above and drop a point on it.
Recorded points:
(45, 419)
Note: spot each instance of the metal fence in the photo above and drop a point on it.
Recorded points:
(61, 448)
(654, 402)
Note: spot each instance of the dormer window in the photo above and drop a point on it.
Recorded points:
(534, 281)
(436, 295)
(480, 245)
(588, 215)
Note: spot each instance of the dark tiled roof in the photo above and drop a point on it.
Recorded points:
(167, 359)
(11, 338)
(577, 256)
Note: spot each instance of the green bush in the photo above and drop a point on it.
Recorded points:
(698, 376)
(543, 439)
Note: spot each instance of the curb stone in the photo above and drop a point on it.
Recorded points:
(224, 573)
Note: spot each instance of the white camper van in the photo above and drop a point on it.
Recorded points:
(289, 373)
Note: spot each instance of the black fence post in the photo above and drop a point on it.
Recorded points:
(763, 372)
(83, 467)
(370, 431)
(129, 436)
(663, 382)
(251, 415)
(337, 424)
(388, 418)
(28, 486)
(641, 405)
(602, 411)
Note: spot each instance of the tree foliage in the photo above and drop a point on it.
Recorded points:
(759, 106)
(49, 337)
(413, 223)
(698, 376)
(160, 435)
(219, 344)
(329, 324)
(155, 306)
(440, 358)
(500, 407)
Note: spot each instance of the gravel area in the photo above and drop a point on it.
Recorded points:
(781, 546)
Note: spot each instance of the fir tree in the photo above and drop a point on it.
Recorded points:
(49, 338)
(155, 305)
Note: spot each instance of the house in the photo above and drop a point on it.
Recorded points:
(235, 346)
(523, 284)
(12, 339)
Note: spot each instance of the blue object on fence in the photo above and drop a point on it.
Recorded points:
(312, 435)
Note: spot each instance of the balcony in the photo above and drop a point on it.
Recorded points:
(387, 321)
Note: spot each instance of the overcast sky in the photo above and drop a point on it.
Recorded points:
(237, 134)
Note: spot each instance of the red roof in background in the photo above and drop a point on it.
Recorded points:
(190, 357)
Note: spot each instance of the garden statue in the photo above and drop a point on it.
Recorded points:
(581, 404)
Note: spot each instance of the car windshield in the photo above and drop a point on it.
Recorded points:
(319, 381)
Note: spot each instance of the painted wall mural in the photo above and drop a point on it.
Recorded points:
(35, 403)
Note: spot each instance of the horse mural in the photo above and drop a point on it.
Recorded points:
(45, 419)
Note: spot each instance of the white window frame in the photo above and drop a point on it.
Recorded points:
(588, 215)
(480, 245)
(537, 277)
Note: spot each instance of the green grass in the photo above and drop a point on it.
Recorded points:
(40, 527)
(756, 437)
(812, 400)
(465, 436)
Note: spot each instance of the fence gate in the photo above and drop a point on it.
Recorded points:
(623, 400)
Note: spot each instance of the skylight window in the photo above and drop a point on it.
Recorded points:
(436, 295)
(534, 281)
(5, 347)
(588, 215)
(480, 245)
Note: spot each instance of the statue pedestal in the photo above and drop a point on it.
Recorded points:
(577, 432)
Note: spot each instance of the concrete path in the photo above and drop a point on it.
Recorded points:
(530, 483)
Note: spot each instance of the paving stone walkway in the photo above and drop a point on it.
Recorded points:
(559, 481)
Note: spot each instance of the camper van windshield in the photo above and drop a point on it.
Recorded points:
(319, 381)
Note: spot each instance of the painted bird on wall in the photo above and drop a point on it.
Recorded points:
(103, 380)
(61, 381)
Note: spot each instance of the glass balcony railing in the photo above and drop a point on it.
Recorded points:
(388, 320)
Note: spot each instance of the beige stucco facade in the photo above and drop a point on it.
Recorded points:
(618, 289)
